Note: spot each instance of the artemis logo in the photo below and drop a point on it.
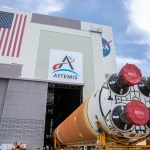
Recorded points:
(65, 66)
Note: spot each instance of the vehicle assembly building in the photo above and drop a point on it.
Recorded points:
(48, 66)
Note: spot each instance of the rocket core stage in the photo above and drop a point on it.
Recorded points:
(120, 109)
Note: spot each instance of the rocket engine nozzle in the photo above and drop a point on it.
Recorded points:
(135, 113)
(129, 75)
(144, 86)
(147, 84)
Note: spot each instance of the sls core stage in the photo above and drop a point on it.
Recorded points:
(117, 115)
(49, 66)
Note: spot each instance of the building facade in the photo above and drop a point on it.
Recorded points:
(39, 55)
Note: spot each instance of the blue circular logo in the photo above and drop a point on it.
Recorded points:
(106, 47)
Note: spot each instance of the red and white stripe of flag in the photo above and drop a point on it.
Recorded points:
(11, 39)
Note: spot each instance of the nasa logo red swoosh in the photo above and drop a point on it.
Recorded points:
(104, 44)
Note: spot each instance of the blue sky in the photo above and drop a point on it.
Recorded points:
(129, 19)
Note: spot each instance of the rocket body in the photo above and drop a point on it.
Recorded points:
(119, 110)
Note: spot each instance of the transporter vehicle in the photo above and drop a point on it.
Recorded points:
(116, 116)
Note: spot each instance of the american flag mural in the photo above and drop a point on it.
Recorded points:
(11, 33)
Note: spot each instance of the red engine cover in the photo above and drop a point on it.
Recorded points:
(137, 113)
(130, 74)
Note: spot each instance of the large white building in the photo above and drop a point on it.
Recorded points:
(48, 66)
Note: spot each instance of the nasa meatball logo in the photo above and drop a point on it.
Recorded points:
(65, 66)
(106, 47)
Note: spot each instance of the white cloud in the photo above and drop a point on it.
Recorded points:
(139, 13)
(139, 25)
(142, 64)
(7, 7)
(50, 6)
(38, 6)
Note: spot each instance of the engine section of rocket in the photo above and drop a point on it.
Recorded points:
(120, 108)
